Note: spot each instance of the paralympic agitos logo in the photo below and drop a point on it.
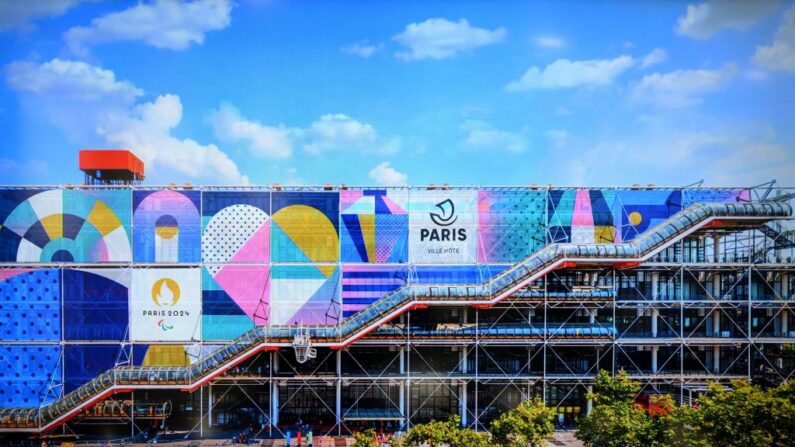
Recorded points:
(445, 218)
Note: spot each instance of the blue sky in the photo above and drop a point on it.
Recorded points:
(481, 93)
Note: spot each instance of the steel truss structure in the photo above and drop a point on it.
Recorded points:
(715, 305)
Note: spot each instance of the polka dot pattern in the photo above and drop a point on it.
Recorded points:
(228, 231)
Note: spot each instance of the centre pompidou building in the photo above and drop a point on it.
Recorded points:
(210, 309)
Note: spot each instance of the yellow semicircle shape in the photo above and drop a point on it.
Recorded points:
(310, 230)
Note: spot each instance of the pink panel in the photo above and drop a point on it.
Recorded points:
(246, 285)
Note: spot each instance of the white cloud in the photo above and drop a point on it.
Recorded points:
(550, 42)
(334, 132)
(263, 141)
(363, 49)
(162, 24)
(17, 14)
(88, 104)
(655, 57)
(70, 80)
(339, 132)
(780, 54)
(443, 39)
(386, 175)
(680, 88)
(564, 73)
(480, 135)
(703, 20)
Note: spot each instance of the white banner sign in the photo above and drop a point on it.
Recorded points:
(443, 226)
(165, 304)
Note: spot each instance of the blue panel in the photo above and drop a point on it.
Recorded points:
(30, 305)
(84, 362)
(27, 372)
(96, 304)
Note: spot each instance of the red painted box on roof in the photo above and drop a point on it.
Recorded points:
(110, 160)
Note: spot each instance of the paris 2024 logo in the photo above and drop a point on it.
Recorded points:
(165, 295)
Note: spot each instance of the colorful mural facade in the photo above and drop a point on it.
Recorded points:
(235, 300)
(65, 225)
(314, 257)
(363, 285)
(581, 215)
(511, 224)
(305, 226)
(304, 294)
(636, 211)
(236, 252)
(374, 225)
(167, 226)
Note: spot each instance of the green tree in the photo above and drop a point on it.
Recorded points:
(747, 416)
(445, 433)
(616, 420)
(529, 424)
(365, 438)
(609, 390)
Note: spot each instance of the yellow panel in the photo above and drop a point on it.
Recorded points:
(605, 234)
(310, 230)
(103, 218)
(53, 225)
(166, 355)
(367, 224)
(326, 270)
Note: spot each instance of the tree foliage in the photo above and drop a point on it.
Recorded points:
(743, 415)
(746, 416)
(365, 438)
(529, 424)
(445, 433)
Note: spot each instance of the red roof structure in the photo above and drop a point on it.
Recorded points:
(111, 166)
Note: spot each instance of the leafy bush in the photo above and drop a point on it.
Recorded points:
(529, 424)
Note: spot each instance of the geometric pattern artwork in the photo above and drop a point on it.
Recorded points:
(511, 224)
(165, 304)
(364, 284)
(30, 305)
(638, 210)
(64, 225)
(375, 225)
(691, 196)
(236, 231)
(96, 304)
(581, 215)
(167, 226)
(235, 227)
(235, 300)
(443, 226)
(304, 294)
(304, 227)
(27, 372)
(84, 362)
